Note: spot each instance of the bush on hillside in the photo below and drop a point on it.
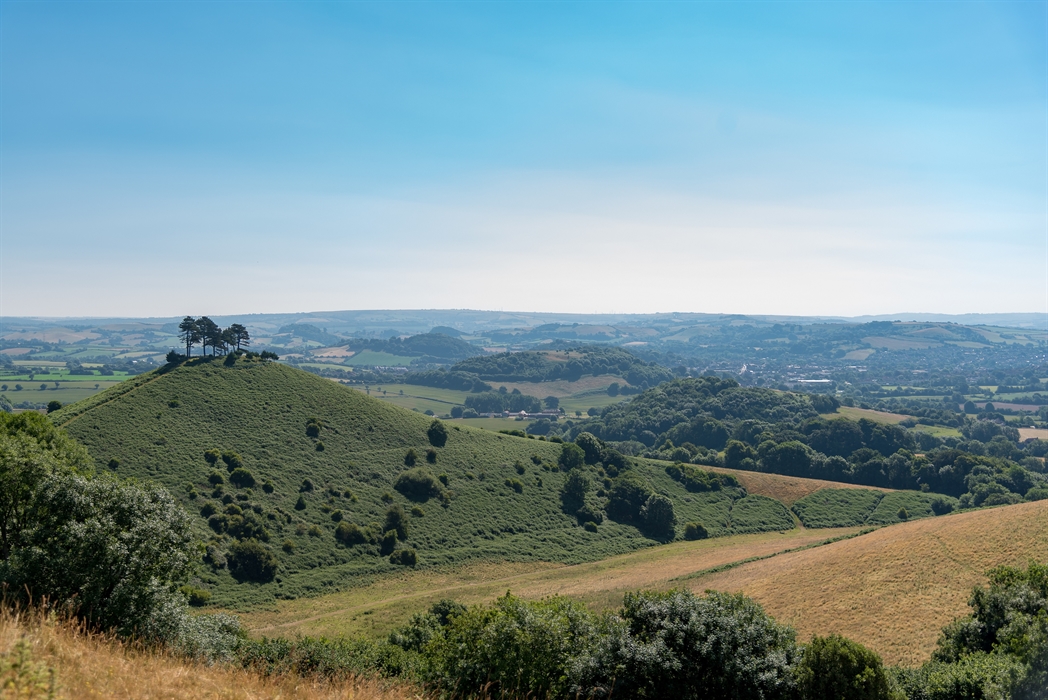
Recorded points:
(250, 560)
(349, 533)
(833, 667)
(695, 531)
(437, 433)
(410, 457)
(404, 557)
(627, 496)
(571, 456)
(232, 459)
(397, 522)
(592, 447)
(241, 477)
(658, 517)
(418, 484)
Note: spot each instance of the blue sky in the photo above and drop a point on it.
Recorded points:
(750, 157)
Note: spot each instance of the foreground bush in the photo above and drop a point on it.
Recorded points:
(833, 667)
(681, 646)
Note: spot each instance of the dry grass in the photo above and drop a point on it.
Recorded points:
(376, 609)
(788, 489)
(1032, 433)
(895, 588)
(52, 654)
(562, 388)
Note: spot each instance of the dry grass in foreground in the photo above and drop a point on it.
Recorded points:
(893, 589)
(44, 658)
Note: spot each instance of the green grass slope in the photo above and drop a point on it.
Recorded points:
(502, 494)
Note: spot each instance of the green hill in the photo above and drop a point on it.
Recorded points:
(501, 499)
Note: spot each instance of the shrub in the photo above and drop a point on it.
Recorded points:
(268, 486)
(349, 533)
(512, 648)
(288, 546)
(396, 521)
(336, 516)
(315, 531)
(443, 478)
(388, 542)
(676, 645)
(417, 511)
(834, 667)
(941, 506)
(627, 496)
(592, 447)
(456, 411)
(515, 484)
(306, 486)
(404, 557)
(431, 455)
(658, 517)
(410, 457)
(437, 433)
(196, 597)
(903, 514)
(212, 456)
(250, 560)
(207, 510)
(242, 478)
(319, 447)
(695, 531)
(232, 460)
(386, 497)
(300, 504)
(571, 456)
(590, 526)
(418, 484)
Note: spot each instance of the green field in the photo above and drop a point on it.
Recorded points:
(851, 507)
(382, 359)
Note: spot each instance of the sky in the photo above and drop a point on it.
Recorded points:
(819, 158)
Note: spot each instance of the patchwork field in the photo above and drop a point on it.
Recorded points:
(895, 588)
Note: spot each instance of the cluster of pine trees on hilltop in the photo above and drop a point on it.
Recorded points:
(209, 334)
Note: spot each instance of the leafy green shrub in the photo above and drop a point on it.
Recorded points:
(404, 557)
(396, 521)
(699, 480)
(212, 456)
(627, 496)
(197, 597)
(431, 455)
(288, 546)
(437, 433)
(300, 504)
(571, 456)
(592, 447)
(349, 533)
(319, 447)
(307, 486)
(658, 517)
(590, 526)
(512, 648)
(336, 516)
(315, 531)
(418, 484)
(242, 478)
(833, 667)
(677, 645)
(973, 676)
(941, 506)
(214, 478)
(232, 460)
(388, 542)
(695, 531)
(515, 484)
(759, 514)
(417, 511)
(250, 560)
(207, 510)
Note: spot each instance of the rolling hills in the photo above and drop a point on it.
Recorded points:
(310, 457)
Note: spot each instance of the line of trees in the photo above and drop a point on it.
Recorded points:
(209, 334)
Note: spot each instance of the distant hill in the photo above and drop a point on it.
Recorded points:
(570, 364)
(501, 500)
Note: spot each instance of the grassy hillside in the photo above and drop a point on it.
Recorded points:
(501, 501)
(895, 588)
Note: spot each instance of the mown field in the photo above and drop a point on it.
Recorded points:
(895, 588)
(379, 607)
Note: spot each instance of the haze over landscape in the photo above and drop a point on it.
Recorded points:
(524, 350)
